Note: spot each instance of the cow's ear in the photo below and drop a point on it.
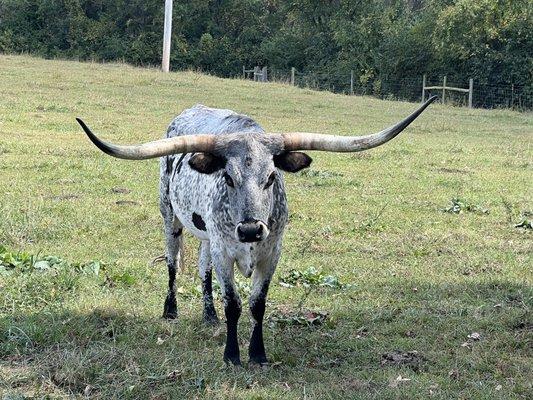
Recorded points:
(206, 163)
(292, 161)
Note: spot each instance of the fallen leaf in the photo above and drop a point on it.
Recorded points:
(402, 379)
(173, 375)
(87, 391)
(474, 336)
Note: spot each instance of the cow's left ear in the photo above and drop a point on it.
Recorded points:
(292, 161)
(206, 163)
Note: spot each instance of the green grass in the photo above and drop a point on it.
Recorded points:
(418, 278)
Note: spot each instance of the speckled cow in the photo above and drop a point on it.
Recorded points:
(221, 178)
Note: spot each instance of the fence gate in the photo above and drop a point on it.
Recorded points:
(257, 74)
(470, 90)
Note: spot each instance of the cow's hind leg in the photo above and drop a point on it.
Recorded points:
(174, 245)
(206, 275)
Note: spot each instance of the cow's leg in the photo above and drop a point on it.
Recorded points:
(232, 303)
(261, 278)
(174, 243)
(206, 275)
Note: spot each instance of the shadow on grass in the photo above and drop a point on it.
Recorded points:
(112, 353)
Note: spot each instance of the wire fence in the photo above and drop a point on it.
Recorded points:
(516, 97)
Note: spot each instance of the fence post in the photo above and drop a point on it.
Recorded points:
(443, 88)
(293, 70)
(512, 95)
(256, 72)
(264, 75)
(243, 72)
(470, 92)
(423, 87)
(167, 33)
(351, 82)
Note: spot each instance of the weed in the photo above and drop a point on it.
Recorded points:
(526, 222)
(311, 277)
(21, 262)
(458, 206)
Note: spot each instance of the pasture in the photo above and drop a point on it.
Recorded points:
(404, 273)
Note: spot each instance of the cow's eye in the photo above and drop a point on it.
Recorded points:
(228, 180)
(270, 180)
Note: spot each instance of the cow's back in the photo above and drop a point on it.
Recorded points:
(205, 120)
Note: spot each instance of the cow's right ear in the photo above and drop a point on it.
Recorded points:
(206, 163)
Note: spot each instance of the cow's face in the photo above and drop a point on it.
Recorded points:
(250, 171)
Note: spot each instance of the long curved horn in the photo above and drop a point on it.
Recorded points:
(316, 141)
(157, 148)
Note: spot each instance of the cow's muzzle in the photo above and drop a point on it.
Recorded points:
(251, 230)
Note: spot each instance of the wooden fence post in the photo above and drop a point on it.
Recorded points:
(256, 72)
(243, 72)
(470, 92)
(264, 75)
(443, 88)
(293, 71)
(351, 82)
(423, 87)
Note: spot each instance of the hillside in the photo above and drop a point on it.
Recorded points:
(420, 278)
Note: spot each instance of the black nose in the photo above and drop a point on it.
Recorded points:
(250, 231)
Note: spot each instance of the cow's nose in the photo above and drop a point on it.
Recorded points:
(251, 231)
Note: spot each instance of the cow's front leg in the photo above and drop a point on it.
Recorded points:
(232, 305)
(261, 280)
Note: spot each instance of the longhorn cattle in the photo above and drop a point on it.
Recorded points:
(221, 178)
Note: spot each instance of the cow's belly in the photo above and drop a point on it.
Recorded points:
(193, 225)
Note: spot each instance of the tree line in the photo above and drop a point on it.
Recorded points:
(488, 40)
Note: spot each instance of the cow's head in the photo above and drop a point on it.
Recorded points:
(249, 163)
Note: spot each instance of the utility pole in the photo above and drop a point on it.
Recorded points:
(165, 66)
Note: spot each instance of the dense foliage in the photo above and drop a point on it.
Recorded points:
(382, 40)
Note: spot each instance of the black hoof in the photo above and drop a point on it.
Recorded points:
(170, 310)
(258, 360)
(233, 360)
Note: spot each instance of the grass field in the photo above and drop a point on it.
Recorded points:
(419, 279)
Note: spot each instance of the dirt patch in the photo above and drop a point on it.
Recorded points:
(65, 197)
(120, 190)
(126, 203)
(454, 170)
(411, 359)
